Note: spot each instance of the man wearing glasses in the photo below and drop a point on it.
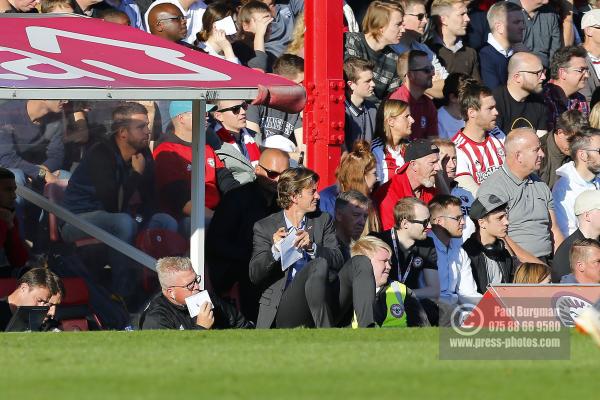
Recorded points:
(415, 23)
(519, 103)
(419, 78)
(413, 259)
(167, 21)
(189, 13)
(577, 176)
(457, 285)
(229, 236)
(236, 146)
(569, 73)
(168, 310)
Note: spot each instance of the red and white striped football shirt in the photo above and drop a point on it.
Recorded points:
(479, 160)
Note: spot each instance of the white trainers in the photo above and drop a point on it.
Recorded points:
(589, 323)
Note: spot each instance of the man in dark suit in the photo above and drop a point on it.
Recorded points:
(297, 295)
(229, 237)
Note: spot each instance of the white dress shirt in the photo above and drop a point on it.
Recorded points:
(457, 285)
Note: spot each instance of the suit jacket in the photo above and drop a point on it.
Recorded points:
(266, 272)
(229, 236)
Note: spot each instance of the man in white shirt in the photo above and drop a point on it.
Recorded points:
(457, 285)
(577, 176)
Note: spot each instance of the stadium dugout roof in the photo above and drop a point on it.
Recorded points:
(78, 58)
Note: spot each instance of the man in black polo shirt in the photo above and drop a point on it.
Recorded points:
(413, 253)
(587, 210)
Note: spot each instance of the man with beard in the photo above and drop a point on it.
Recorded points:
(533, 222)
(416, 178)
(577, 176)
(103, 185)
(229, 237)
(479, 150)
(519, 103)
(507, 26)
(418, 80)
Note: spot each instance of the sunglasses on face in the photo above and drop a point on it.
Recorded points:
(235, 109)
(424, 222)
(270, 173)
(419, 16)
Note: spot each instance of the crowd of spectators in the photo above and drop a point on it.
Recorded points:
(471, 157)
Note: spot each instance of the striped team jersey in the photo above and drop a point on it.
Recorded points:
(479, 160)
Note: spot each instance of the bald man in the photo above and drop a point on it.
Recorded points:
(229, 238)
(519, 103)
(167, 21)
(533, 224)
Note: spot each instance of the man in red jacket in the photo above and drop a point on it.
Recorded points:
(13, 253)
(416, 178)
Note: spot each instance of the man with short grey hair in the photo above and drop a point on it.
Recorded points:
(168, 309)
(533, 223)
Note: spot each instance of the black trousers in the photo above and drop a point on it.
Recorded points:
(318, 297)
(304, 302)
(353, 292)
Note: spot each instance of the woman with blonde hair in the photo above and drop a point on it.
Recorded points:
(296, 46)
(392, 130)
(595, 116)
(532, 273)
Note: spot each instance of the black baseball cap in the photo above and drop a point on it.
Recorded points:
(419, 148)
(486, 204)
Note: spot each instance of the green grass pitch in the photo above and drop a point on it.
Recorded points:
(293, 364)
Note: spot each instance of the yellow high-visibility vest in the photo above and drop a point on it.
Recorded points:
(395, 317)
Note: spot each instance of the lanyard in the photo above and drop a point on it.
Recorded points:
(396, 253)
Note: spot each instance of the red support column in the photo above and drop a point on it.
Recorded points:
(324, 112)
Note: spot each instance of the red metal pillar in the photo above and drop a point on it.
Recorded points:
(324, 112)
